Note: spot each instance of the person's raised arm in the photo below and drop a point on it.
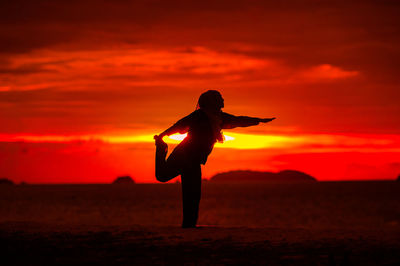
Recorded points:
(171, 130)
(231, 121)
(179, 127)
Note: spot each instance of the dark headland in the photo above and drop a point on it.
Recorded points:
(247, 176)
(124, 180)
(6, 181)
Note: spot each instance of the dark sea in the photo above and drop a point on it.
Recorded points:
(362, 205)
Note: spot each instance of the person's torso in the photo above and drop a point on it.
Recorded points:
(201, 137)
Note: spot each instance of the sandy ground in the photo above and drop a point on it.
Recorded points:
(40, 244)
(323, 224)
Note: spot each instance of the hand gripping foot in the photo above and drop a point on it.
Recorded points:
(161, 146)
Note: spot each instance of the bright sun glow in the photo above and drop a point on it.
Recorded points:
(180, 137)
(317, 142)
(250, 141)
(245, 141)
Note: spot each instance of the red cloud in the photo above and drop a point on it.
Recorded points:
(325, 72)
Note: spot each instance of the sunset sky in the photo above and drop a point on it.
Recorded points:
(84, 85)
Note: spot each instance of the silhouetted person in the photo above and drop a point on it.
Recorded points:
(204, 130)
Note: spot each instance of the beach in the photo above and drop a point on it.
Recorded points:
(321, 223)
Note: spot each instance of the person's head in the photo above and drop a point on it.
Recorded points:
(211, 100)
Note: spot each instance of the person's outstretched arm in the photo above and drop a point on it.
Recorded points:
(231, 121)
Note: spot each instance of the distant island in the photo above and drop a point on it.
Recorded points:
(6, 181)
(247, 176)
(124, 180)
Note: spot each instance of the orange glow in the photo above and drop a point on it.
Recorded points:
(241, 141)
(180, 137)
(99, 158)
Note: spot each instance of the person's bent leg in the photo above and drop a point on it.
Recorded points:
(191, 194)
(165, 170)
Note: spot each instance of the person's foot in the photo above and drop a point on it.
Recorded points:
(189, 226)
(161, 146)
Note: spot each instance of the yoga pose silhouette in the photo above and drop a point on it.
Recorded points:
(203, 128)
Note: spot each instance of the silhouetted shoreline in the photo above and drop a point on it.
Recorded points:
(249, 176)
(177, 182)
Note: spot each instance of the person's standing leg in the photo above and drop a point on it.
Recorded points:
(191, 194)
